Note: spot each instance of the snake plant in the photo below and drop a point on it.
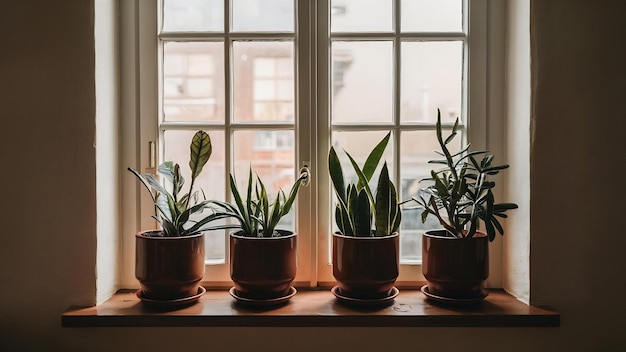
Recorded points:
(360, 212)
(461, 196)
(255, 214)
(178, 214)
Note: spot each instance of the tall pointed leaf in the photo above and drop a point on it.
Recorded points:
(363, 182)
(362, 215)
(374, 157)
(383, 199)
(336, 175)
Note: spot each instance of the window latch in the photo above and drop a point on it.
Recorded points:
(305, 175)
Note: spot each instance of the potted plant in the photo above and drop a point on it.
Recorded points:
(262, 258)
(169, 262)
(455, 259)
(365, 250)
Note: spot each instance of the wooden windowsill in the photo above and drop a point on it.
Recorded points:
(314, 308)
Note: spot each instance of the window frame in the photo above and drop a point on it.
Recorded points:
(140, 102)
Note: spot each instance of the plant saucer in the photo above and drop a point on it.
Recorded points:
(170, 303)
(263, 302)
(365, 302)
(457, 301)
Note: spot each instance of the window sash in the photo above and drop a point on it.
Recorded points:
(312, 128)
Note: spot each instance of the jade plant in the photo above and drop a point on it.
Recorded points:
(461, 196)
(256, 215)
(360, 212)
(181, 214)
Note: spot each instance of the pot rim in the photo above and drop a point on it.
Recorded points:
(432, 234)
(338, 234)
(140, 234)
(289, 234)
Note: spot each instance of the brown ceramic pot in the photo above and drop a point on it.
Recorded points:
(455, 267)
(263, 268)
(169, 267)
(365, 267)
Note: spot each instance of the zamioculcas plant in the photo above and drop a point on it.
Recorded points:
(178, 213)
(461, 195)
(360, 212)
(256, 215)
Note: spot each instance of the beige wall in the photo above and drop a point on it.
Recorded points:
(47, 255)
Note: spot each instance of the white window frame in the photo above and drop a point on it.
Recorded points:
(139, 107)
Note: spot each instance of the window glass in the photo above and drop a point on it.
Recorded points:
(193, 15)
(432, 15)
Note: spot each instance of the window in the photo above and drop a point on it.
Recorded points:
(276, 85)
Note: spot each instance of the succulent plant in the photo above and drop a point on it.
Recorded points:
(256, 215)
(179, 215)
(461, 195)
(360, 212)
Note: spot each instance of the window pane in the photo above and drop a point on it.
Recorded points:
(362, 82)
(263, 81)
(271, 155)
(193, 81)
(361, 16)
(416, 150)
(211, 180)
(263, 16)
(432, 15)
(193, 15)
(432, 76)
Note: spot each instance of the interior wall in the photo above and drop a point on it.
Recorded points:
(47, 105)
(107, 149)
(577, 152)
(516, 248)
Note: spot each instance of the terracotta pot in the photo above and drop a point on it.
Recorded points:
(455, 267)
(263, 268)
(365, 267)
(169, 267)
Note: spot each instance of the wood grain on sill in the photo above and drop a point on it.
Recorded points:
(314, 308)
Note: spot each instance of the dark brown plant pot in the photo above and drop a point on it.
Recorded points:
(455, 267)
(263, 268)
(169, 268)
(365, 267)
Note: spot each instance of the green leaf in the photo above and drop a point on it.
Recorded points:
(177, 181)
(362, 215)
(292, 196)
(497, 225)
(353, 200)
(396, 221)
(274, 218)
(336, 175)
(169, 229)
(501, 207)
(343, 220)
(491, 232)
(395, 212)
(143, 181)
(441, 188)
(383, 206)
(374, 157)
(167, 170)
(242, 209)
(200, 152)
(363, 182)
(492, 169)
(424, 216)
(162, 206)
(450, 137)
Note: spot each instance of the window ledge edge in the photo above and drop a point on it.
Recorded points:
(313, 308)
